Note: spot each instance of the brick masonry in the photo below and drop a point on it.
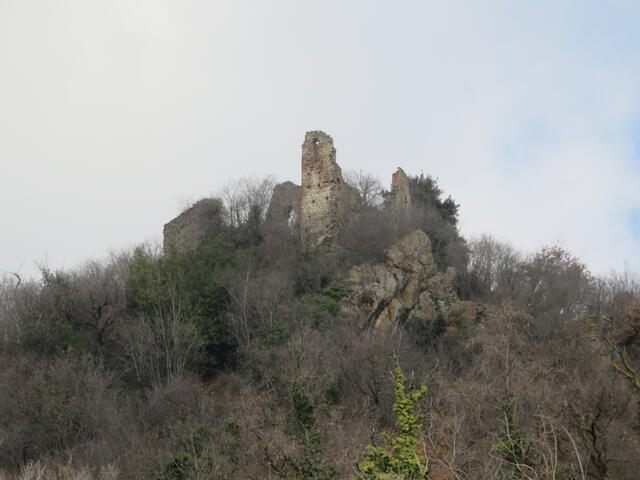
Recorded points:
(325, 200)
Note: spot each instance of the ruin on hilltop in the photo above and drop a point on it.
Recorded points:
(316, 209)
(382, 293)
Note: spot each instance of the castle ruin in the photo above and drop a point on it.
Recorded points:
(316, 210)
(325, 200)
(284, 207)
(193, 226)
(400, 190)
(382, 294)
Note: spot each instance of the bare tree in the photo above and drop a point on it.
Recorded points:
(261, 300)
(11, 289)
(91, 298)
(615, 292)
(368, 186)
(247, 197)
(494, 267)
(161, 347)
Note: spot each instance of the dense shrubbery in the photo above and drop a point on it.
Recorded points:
(367, 235)
(182, 297)
(232, 361)
(402, 455)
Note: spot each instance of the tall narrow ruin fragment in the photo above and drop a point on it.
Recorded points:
(400, 190)
(325, 200)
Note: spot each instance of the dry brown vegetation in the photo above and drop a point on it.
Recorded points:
(233, 362)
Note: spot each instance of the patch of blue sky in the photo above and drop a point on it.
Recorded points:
(605, 30)
(634, 136)
(634, 224)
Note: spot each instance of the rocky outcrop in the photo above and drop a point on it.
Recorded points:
(407, 283)
(284, 207)
(325, 200)
(193, 226)
(400, 190)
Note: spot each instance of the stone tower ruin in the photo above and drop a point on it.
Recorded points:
(400, 190)
(325, 200)
(316, 210)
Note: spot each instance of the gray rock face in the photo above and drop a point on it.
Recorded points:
(284, 207)
(193, 226)
(385, 294)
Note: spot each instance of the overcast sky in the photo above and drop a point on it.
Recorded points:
(114, 112)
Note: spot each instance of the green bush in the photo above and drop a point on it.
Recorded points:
(513, 444)
(334, 392)
(190, 282)
(322, 309)
(309, 464)
(335, 290)
(195, 459)
(401, 456)
(425, 331)
(303, 409)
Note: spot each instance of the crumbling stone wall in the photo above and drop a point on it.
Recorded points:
(193, 226)
(325, 200)
(400, 190)
(284, 207)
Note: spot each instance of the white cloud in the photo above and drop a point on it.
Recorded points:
(112, 112)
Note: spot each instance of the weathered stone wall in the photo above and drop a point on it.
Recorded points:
(325, 200)
(400, 190)
(192, 227)
(284, 207)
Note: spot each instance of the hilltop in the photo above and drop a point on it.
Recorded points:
(282, 328)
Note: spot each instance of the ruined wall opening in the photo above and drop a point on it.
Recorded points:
(292, 218)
